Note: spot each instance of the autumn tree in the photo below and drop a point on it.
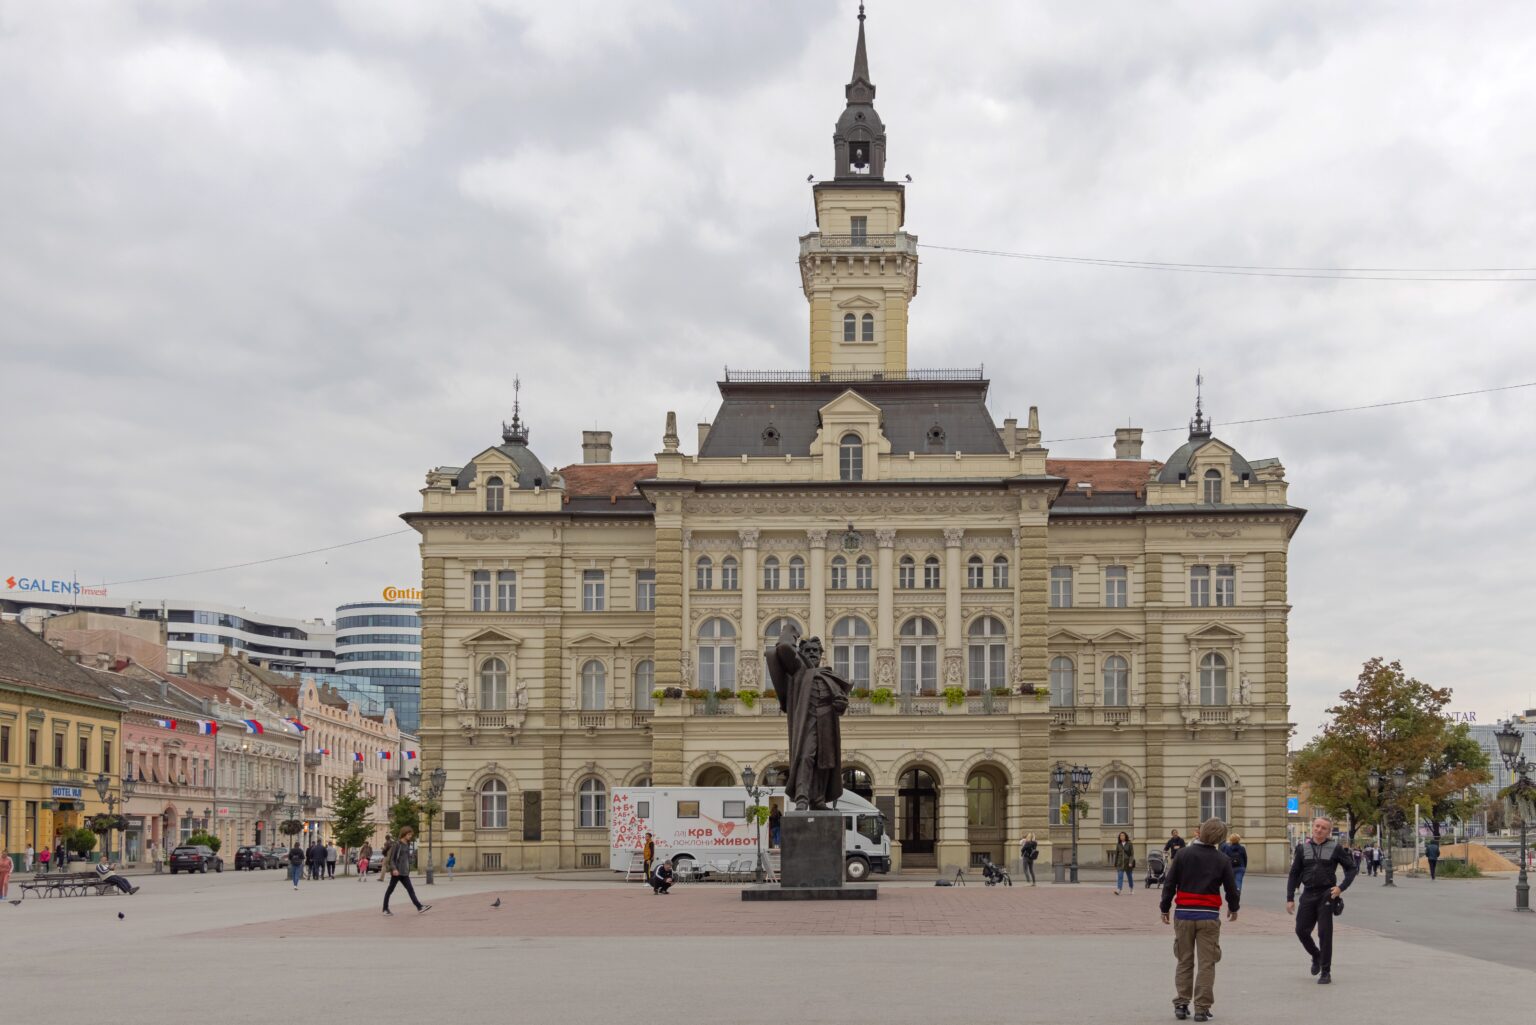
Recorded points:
(1386, 723)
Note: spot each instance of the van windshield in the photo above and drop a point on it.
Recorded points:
(871, 826)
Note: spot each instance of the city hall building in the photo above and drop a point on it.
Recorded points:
(1000, 612)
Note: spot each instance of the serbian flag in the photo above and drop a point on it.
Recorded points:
(296, 725)
(324, 751)
(252, 726)
(410, 756)
(166, 724)
(357, 756)
(385, 755)
(206, 727)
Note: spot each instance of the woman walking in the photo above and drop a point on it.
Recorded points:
(1029, 850)
(1235, 850)
(1125, 861)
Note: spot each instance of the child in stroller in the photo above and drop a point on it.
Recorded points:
(993, 874)
(1156, 866)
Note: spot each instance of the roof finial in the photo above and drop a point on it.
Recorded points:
(515, 433)
(1199, 427)
(860, 56)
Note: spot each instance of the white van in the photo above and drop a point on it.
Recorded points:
(708, 826)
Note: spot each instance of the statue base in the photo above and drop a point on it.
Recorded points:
(811, 850)
(770, 892)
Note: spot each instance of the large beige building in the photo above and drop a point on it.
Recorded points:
(1001, 611)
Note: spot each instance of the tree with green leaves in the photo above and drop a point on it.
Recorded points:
(404, 812)
(80, 840)
(202, 839)
(1389, 722)
(351, 825)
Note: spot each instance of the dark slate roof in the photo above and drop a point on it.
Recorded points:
(29, 661)
(1179, 462)
(530, 471)
(144, 694)
(908, 410)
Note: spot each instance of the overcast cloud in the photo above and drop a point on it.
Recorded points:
(262, 265)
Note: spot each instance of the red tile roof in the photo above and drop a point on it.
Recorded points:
(604, 480)
(1104, 474)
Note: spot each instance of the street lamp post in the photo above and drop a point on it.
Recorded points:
(103, 789)
(1382, 786)
(1522, 791)
(436, 780)
(1072, 783)
(755, 792)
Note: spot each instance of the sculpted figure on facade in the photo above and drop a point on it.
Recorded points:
(461, 692)
(813, 697)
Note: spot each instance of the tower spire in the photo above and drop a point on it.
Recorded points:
(1199, 427)
(859, 139)
(860, 62)
(515, 433)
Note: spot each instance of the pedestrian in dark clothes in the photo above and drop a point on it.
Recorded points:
(1174, 845)
(1313, 870)
(1193, 889)
(1235, 850)
(1432, 855)
(399, 867)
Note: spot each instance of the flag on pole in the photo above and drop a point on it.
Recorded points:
(357, 756)
(166, 724)
(410, 756)
(324, 751)
(385, 755)
(252, 726)
(296, 725)
(206, 727)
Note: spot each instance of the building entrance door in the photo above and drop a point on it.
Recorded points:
(918, 797)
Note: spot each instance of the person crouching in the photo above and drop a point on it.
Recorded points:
(662, 877)
(1194, 886)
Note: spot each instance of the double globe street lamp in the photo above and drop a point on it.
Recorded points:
(1072, 783)
(1384, 787)
(436, 780)
(104, 791)
(1522, 794)
(755, 792)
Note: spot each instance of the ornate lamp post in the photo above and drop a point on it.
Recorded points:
(436, 780)
(103, 789)
(755, 792)
(1073, 783)
(1384, 787)
(1522, 791)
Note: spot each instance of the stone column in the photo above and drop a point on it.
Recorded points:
(750, 650)
(885, 610)
(684, 604)
(954, 643)
(817, 627)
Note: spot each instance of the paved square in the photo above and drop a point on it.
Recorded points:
(248, 948)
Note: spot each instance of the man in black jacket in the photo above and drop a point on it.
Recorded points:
(1195, 883)
(1313, 869)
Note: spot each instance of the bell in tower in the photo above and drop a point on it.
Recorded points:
(859, 139)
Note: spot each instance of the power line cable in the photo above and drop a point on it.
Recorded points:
(260, 562)
(1260, 271)
(1318, 412)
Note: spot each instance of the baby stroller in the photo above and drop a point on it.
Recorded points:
(993, 874)
(1155, 868)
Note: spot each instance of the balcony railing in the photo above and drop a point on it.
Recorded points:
(592, 720)
(491, 720)
(914, 704)
(899, 242)
(1063, 717)
(1214, 715)
(851, 376)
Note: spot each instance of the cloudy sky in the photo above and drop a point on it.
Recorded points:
(262, 265)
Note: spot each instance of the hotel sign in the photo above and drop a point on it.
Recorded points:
(69, 793)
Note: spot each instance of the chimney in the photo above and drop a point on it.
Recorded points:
(703, 435)
(1010, 434)
(1127, 442)
(103, 660)
(597, 446)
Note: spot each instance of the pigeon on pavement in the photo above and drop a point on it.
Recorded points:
(497, 904)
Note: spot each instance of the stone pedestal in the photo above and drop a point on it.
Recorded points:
(811, 845)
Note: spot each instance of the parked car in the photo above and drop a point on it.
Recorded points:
(195, 858)
(252, 858)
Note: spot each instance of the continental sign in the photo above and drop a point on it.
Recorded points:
(402, 594)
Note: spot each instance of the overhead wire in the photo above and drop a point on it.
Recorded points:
(260, 562)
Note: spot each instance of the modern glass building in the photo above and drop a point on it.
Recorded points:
(378, 651)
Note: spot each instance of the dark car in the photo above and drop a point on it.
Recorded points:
(195, 858)
(253, 858)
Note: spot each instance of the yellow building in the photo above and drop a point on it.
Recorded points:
(1000, 611)
(59, 730)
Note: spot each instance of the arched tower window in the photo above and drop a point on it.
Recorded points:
(1212, 487)
(850, 327)
(867, 324)
(850, 458)
(495, 494)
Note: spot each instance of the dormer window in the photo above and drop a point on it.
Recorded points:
(935, 438)
(495, 494)
(770, 435)
(850, 458)
(1212, 487)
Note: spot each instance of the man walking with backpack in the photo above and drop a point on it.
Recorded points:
(1193, 889)
(398, 864)
(1313, 870)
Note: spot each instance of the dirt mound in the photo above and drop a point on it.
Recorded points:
(1483, 859)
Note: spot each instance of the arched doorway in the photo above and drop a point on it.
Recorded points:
(986, 814)
(857, 781)
(714, 776)
(917, 795)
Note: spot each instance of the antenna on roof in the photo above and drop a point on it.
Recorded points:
(515, 433)
(1199, 426)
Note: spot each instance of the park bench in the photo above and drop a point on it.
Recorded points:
(67, 884)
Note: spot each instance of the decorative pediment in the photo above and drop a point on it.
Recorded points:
(850, 404)
(590, 640)
(1066, 637)
(636, 640)
(1116, 636)
(1215, 633)
(491, 459)
(491, 637)
(858, 302)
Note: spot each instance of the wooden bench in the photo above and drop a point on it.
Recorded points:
(68, 884)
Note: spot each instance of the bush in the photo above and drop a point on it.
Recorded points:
(659, 695)
(208, 840)
(82, 841)
(882, 696)
(725, 694)
(1448, 869)
(859, 694)
(747, 698)
(1000, 692)
(696, 693)
(954, 696)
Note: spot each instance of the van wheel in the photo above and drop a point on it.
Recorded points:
(858, 870)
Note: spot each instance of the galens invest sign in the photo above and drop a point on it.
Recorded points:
(44, 585)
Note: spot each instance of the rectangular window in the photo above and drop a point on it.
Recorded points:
(906, 575)
(839, 575)
(864, 574)
(931, 579)
(58, 750)
(858, 230)
(733, 810)
(506, 591)
(5, 744)
(1061, 587)
(687, 809)
(85, 753)
(1000, 572)
(592, 590)
(480, 590)
(1200, 586)
(796, 574)
(642, 809)
(1226, 585)
(975, 574)
(645, 590)
(1116, 586)
(1056, 798)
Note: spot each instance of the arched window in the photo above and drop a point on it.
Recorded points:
(771, 573)
(1213, 797)
(839, 580)
(1117, 681)
(495, 494)
(641, 781)
(1116, 799)
(919, 656)
(975, 572)
(1000, 572)
(774, 628)
(714, 776)
(988, 654)
(931, 579)
(1063, 681)
(906, 573)
(703, 574)
(868, 324)
(981, 800)
(493, 805)
(1061, 587)
(1212, 487)
(796, 573)
(729, 577)
(493, 684)
(506, 590)
(717, 655)
(592, 804)
(850, 650)
(594, 685)
(1116, 587)
(850, 458)
(863, 573)
(1213, 680)
(645, 683)
(850, 327)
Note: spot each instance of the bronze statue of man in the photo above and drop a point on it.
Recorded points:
(813, 697)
